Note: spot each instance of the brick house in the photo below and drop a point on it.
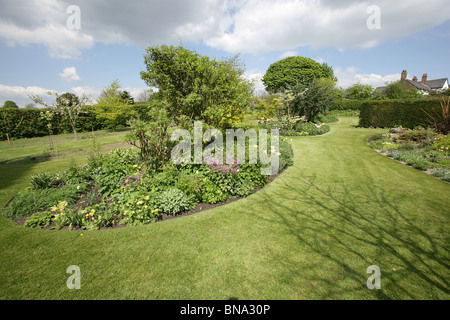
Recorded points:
(425, 85)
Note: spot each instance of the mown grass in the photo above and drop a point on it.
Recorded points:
(310, 234)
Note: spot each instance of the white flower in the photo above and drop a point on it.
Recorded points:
(78, 187)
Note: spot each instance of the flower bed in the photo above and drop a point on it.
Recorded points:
(118, 189)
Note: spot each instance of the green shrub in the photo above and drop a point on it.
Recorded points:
(330, 118)
(39, 219)
(173, 201)
(389, 113)
(191, 185)
(311, 129)
(97, 216)
(353, 105)
(213, 194)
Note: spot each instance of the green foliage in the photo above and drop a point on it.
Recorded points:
(31, 201)
(359, 91)
(442, 144)
(353, 105)
(113, 106)
(314, 100)
(292, 71)
(311, 129)
(191, 185)
(139, 208)
(152, 138)
(398, 90)
(212, 193)
(98, 216)
(46, 180)
(390, 113)
(174, 201)
(441, 173)
(115, 166)
(329, 118)
(39, 220)
(198, 87)
(10, 104)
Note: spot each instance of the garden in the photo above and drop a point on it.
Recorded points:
(104, 193)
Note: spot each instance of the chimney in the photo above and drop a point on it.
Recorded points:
(404, 74)
(415, 78)
(424, 78)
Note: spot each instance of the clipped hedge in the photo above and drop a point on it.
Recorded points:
(408, 113)
(347, 104)
(27, 123)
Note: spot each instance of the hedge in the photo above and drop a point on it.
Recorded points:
(408, 113)
(347, 105)
(27, 123)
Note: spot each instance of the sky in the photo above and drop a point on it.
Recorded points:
(82, 46)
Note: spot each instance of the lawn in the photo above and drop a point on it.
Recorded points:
(310, 234)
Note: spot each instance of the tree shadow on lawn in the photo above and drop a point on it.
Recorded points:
(347, 231)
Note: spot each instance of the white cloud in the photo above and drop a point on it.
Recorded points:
(288, 54)
(253, 26)
(20, 95)
(69, 74)
(349, 76)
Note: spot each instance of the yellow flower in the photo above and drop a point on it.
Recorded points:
(139, 203)
(146, 198)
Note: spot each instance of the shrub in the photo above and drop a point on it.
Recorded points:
(213, 194)
(311, 129)
(330, 118)
(173, 201)
(98, 215)
(191, 185)
(353, 105)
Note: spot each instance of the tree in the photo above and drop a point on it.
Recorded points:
(359, 91)
(198, 87)
(314, 100)
(112, 107)
(10, 104)
(126, 97)
(398, 90)
(293, 71)
(67, 105)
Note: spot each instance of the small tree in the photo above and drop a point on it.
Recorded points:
(359, 91)
(314, 100)
(10, 104)
(48, 117)
(111, 107)
(67, 105)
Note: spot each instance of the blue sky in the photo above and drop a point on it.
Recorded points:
(39, 52)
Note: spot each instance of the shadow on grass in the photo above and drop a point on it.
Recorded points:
(349, 230)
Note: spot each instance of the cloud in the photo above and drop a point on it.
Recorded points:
(69, 74)
(288, 54)
(20, 95)
(349, 76)
(253, 26)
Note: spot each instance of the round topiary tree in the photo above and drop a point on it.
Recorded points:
(293, 71)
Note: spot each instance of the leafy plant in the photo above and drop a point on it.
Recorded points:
(31, 201)
(46, 180)
(139, 208)
(39, 219)
(213, 194)
(173, 201)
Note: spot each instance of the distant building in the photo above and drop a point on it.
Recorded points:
(425, 85)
